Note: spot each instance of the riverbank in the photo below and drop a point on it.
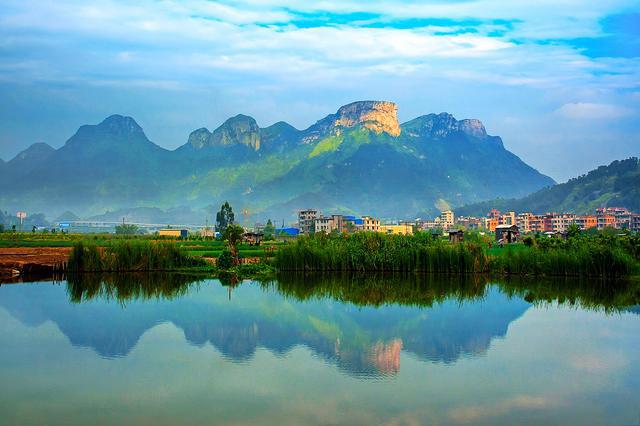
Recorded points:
(588, 256)
(32, 261)
(602, 256)
(19, 264)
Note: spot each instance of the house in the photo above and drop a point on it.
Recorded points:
(507, 233)
(400, 229)
(252, 238)
(175, 233)
(207, 233)
(456, 236)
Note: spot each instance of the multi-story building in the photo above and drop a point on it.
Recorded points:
(306, 220)
(370, 224)
(323, 224)
(524, 222)
(586, 222)
(494, 214)
(470, 223)
(328, 224)
(491, 223)
(536, 223)
(508, 219)
(617, 217)
(433, 224)
(622, 217)
(560, 223)
(606, 221)
(447, 219)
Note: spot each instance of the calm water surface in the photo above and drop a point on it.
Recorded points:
(283, 353)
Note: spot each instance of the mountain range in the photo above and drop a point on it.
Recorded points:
(358, 160)
(617, 184)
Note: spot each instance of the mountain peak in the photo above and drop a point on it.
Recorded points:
(378, 116)
(119, 125)
(199, 138)
(444, 124)
(240, 129)
(36, 151)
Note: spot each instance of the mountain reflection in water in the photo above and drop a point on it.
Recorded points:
(361, 324)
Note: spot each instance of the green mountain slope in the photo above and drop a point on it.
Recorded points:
(359, 159)
(617, 184)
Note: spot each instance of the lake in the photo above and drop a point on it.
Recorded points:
(158, 350)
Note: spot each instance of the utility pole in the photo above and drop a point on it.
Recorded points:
(21, 216)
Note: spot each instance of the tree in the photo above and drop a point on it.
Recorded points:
(233, 235)
(269, 230)
(225, 261)
(126, 229)
(573, 231)
(224, 217)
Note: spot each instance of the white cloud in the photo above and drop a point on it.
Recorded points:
(251, 55)
(477, 413)
(593, 111)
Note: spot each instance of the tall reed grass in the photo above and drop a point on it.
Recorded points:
(130, 255)
(379, 252)
(372, 252)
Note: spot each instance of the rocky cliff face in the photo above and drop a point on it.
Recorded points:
(438, 126)
(240, 129)
(378, 116)
(120, 126)
(199, 138)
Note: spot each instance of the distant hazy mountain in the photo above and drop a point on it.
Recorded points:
(359, 159)
(617, 184)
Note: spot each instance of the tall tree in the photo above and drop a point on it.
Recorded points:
(224, 217)
(269, 230)
(233, 235)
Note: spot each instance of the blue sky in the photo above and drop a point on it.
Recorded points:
(558, 80)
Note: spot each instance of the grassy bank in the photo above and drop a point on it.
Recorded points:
(579, 256)
(152, 256)
(197, 247)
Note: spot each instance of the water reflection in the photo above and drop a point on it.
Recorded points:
(361, 324)
(318, 350)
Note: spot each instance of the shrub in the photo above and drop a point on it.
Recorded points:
(225, 261)
(528, 241)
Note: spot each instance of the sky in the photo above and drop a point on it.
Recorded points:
(558, 80)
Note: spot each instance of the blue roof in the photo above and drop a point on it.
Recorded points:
(288, 231)
(359, 222)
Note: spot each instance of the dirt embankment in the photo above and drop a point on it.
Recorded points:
(17, 262)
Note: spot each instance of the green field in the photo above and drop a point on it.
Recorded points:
(193, 247)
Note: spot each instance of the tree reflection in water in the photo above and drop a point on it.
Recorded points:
(438, 319)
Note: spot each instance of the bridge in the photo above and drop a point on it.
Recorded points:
(93, 224)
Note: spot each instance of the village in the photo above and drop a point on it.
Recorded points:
(509, 225)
